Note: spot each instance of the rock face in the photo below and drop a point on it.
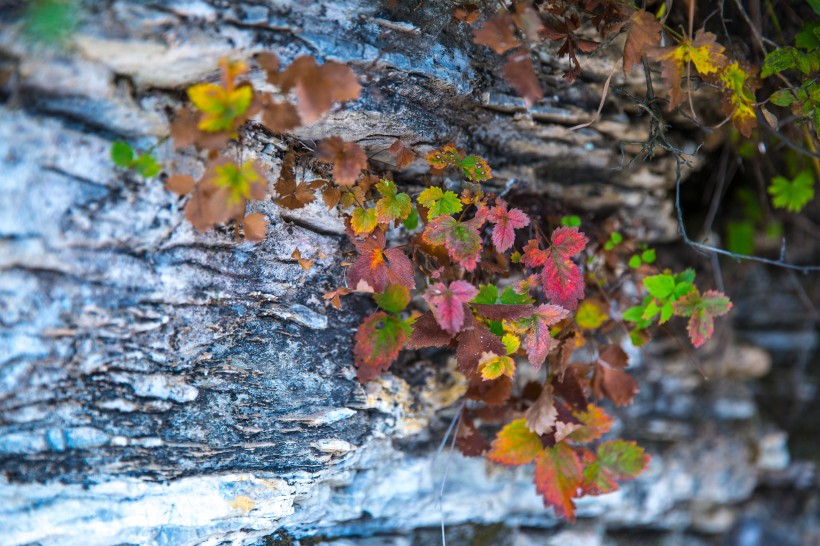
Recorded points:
(160, 386)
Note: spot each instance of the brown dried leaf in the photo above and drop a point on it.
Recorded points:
(404, 155)
(348, 159)
(644, 32)
(331, 196)
(498, 33)
(542, 414)
(180, 183)
(303, 262)
(520, 73)
(255, 226)
(469, 13)
(279, 117)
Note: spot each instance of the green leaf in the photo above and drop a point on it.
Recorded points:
(635, 315)
(439, 202)
(50, 21)
(807, 38)
(122, 154)
(648, 256)
(487, 294)
(511, 297)
(792, 195)
(666, 312)
(782, 97)
(778, 60)
(394, 299)
(393, 205)
(412, 221)
(687, 275)
(660, 286)
(616, 238)
(740, 237)
(624, 460)
(815, 5)
(571, 221)
(635, 262)
(146, 166)
(363, 221)
(651, 311)
(476, 168)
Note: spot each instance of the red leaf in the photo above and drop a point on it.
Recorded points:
(561, 279)
(594, 424)
(506, 222)
(375, 266)
(475, 341)
(461, 239)
(427, 333)
(515, 445)
(348, 159)
(448, 302)
(377, 344)
(520, 73)
(498, 33)
(702, 309)
(557, 478)
(537, 342)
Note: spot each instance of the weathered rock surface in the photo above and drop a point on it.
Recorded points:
(160, 386)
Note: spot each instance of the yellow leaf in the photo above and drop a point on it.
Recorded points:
(590, 316)
(493, 367)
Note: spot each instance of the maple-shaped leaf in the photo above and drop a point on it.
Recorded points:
(439, 203)
(561, 279)
(448, 302)
(335, 296)
(331, 195)
(476, 168)
(255, 226)
(363, 221)
(443, 157)
(644, 33)
(494, 366)
(461, 239)
(348, 159)
(739, 98)
(392, 206)
(595, 422)
(624, 460)
(520, 73)
(222, 105)
(497, 33)
(541, 416)
(704, 53)
(701, 310)
(515, 445)
(404, 155)
(792, 195)
(290, 194)
(317, 86)
(565, 30)
(279, 117)
(223, 192)
(537, 342)
(377, 344)
(596, 481)
(474, 342)
(558, 475)
(506, 222)
(376, 267)
(610, 381)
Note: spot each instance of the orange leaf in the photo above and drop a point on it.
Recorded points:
(515, 445)
(498, 33)
(255, 226)
(558, 476)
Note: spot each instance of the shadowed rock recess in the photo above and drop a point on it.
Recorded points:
(161, 386)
